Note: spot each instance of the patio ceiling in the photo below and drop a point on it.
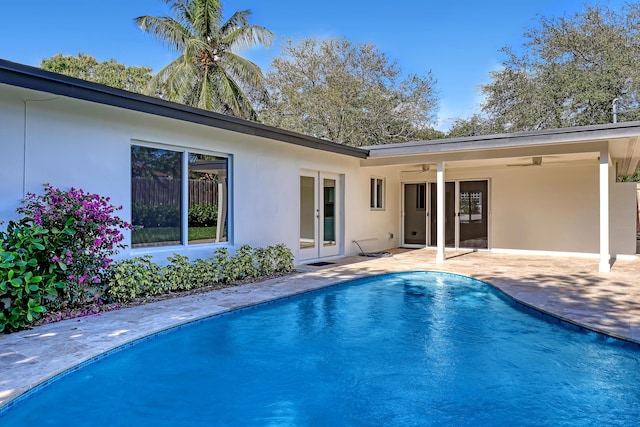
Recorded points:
(556, 147)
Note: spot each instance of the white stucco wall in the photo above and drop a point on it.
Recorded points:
(85, 145)
(546, 209)
(11, 154)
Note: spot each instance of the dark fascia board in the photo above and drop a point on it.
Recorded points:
(28, 77)
(516, 139)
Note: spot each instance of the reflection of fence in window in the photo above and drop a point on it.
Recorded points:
(158, 191)
(471, 205)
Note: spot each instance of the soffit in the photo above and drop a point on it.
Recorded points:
(571, 144)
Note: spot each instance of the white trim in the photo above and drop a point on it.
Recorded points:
(319, 250)
(383, 197)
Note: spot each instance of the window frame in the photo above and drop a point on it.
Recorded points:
(377, 193)
(184, 201)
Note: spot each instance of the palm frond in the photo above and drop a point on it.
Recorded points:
(206, 16)
(233, 99)
(181, 11)
(243, 70)
(208, 74)
(244, 36)
(166, 29)
(238, 19)
(156, 85)
(205, 100)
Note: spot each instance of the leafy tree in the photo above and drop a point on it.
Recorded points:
(346, 93)
(208, 74)
(473, 126)
(110, 73)
(570, 71)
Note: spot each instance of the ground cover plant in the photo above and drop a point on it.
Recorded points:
(140, 277)
(56, 262)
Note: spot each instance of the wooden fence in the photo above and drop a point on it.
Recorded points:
(155, 192)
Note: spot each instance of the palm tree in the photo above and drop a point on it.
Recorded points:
(208, 74)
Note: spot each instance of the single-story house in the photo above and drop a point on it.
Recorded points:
(197, 180)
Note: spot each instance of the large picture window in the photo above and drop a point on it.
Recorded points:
(169, 210)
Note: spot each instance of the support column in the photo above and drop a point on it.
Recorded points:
(605, 255)
(440, 212)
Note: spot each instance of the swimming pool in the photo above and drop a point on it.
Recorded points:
(401, 349)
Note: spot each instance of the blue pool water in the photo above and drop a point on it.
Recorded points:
(404, 349)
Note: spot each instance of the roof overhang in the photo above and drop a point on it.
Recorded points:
(622, 140)
(33, 78)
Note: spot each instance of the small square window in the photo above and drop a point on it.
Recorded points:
(377, 193)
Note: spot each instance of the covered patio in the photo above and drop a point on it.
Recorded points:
(570, 288)
(551, 191)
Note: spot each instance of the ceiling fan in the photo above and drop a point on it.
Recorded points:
(423, 169)
(536, 161)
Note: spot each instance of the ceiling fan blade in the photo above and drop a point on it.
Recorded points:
(535, 161)
(423, 169)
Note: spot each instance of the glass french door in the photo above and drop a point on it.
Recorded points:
(414, 214)
(473, 215)
(465, 214)
(449, 214)
(320, 232)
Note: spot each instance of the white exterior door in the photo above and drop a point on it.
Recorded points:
(320, 215)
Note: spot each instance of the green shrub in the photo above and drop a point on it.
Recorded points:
(203, 272)
(131, 278)
(27, 274)
(29, 277)
(155, 215)
(219, 263)
(283, 258)
(203, 215)
(177, 274)
(241, 265)
(265, 261)
(248, 262)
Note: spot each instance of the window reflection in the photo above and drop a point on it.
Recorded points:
(156, 191)
(207, 198)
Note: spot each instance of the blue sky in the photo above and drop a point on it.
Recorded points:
(459, 40)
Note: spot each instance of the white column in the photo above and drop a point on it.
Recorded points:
(605, 256)
(440, 212)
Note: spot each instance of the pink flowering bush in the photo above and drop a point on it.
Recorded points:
(94, 235)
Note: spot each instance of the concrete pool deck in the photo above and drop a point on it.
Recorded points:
(570, 288)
